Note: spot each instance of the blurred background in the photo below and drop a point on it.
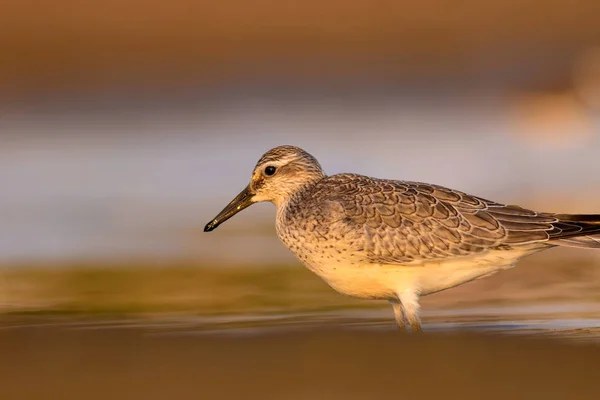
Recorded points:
(126, 125)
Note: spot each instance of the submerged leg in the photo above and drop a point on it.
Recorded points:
(410, 305)
(399, 314)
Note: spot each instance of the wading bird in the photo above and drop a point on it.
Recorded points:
(397, 240)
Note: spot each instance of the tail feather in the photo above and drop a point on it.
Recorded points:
(576, 230)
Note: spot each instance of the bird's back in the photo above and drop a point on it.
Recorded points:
(381, 221)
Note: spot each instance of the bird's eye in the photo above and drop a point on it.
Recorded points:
(270, 170)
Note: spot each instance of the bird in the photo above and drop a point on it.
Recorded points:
(397, 240)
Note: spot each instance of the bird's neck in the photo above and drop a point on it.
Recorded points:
(296, 193)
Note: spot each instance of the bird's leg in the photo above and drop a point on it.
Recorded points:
(399, 315)
(410, 305)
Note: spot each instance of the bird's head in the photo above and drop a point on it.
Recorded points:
(280, 172)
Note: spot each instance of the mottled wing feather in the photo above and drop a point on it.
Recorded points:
(402, 222)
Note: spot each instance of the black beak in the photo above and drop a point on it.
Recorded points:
(241, 201)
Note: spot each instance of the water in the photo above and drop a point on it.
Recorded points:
(573, 322)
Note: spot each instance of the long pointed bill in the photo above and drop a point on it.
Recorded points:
(241, 201)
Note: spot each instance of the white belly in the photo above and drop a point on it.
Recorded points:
(385, 281)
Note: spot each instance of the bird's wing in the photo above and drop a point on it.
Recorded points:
(402, 222)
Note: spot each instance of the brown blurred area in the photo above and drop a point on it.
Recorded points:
(323, 364)
(84, 45)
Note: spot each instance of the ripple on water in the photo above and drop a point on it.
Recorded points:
(576, 321)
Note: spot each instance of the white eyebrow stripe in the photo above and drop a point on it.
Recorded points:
(280, 161)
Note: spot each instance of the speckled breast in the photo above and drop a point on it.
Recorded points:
(309, 229)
